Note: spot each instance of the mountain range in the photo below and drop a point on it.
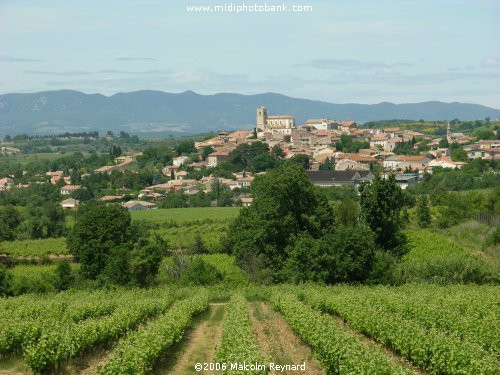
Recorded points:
(156, 113)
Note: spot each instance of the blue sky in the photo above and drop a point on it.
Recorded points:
(343, 51)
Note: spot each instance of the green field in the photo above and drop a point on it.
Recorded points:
(391, 330)
(27, 248)
(437, 259)
(182, 215)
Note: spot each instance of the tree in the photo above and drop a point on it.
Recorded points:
(145, 261)
(10, 219)
(156, 155)
(263, 162)
(443, 143)
(63, 275)
(285, 205)
(345, 255)
(199, 246)
(458, 153)
(100, 238)
(301, 159)
(381, 203)
(277, 152)
(423, 212)
(115, 151)
(206, 151)
(242, 156)
(185, 147)
(327, 165)
(5, 281)
(7, 138)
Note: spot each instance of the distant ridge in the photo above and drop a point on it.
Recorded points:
(160, 113)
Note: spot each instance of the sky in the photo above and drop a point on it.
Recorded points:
(343, 51)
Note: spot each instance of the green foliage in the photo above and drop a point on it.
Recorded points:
(198, 246)
(285, 205)
(346, 144)
(345, 255)
(433, 258)
(10, 218)
(182, 215)
(5, 281)
(145, 260)
(100, 239)
(300, 159)
(48, 246)
(457, 152)
(442, 330)
(263, 162)
(277, 152)
(63, 275)
(138, 351)
(60, 343)
(185, 147)
(199, 272)
(155, 155)
(423, 212)
(206, 151)
(238, 342)
(327, 165)
(347, 212)
(381, 204)
(242, 158)
(338, 350)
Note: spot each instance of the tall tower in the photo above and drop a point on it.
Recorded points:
(261, 118)
(448, 133)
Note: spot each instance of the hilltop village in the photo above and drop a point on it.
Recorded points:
(334, 153)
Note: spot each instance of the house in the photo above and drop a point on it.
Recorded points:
(417, 162)
(406, 179)
(319, 124)
(70, 204)
(216, 158)
(488, 144)
(6, 183)
(246, 202)
(484, 153)
(348, 164)
(180, 160)
(139, 205)
(68, 189)
(181, 175)
(5, 150)
(347, 126)
(338, 178)
(446, 162)
(111, 198)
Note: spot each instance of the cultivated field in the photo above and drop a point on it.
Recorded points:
(353, 330)
(180, 215)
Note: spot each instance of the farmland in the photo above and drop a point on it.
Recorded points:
(27, 248)
(181, 215)
(390, 330)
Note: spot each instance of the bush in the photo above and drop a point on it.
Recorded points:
(63, 275)
(198, 272)
(5, 281)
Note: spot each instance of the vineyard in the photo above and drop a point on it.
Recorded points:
(31, 248)
(181, 215)
(343, 330)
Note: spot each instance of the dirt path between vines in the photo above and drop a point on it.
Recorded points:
(278, 343)
(199, 345)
